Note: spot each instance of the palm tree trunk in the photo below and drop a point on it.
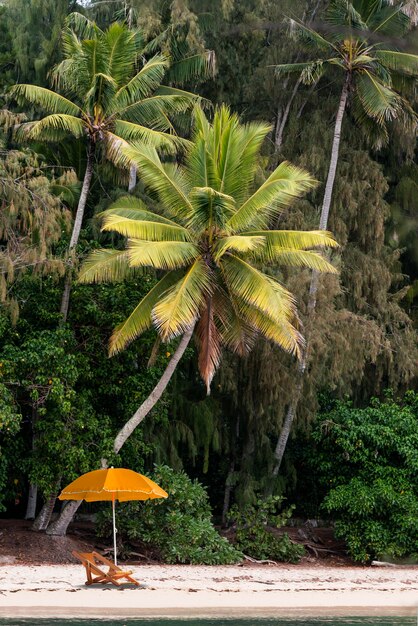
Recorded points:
(31, 503)
(44, 516)
(59, 527)
(132, 178)
(282, 119)
(323, 223)
(278, 138)
(127, 430)
(33, 488)
(65, 301)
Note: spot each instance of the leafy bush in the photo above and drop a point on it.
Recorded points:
(368, 459)
(254, 531)
(179, 528)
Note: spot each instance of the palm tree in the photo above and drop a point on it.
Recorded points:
(210, 233)
(109, 99)
(373, 76)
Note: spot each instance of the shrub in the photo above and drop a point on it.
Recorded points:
(255, 534)
(368, 459)
(179, 528)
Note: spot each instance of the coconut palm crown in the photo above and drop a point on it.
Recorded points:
(106, 90)
(359, 38)
(210, 236)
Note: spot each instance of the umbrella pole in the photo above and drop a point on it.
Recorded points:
(114, 530)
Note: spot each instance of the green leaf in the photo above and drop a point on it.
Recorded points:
(168, 181)
(102, 266)
(256, 288)
(143, 83)
(143, 229)
(46, 99)
(379, 101)
(165, 255)
(399, 61)
(179, 308)
(236, 243)
(285, 184)
(52, 127)
(140, 318)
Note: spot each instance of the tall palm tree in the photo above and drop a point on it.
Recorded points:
(373, 74)
(210, 234)
(106, 96)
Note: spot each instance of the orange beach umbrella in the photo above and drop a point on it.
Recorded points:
(112, 484)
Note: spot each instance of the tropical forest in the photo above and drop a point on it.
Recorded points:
(209, 273)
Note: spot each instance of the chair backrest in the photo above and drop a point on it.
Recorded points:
(104, 561)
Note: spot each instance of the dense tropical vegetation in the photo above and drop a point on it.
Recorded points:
(169, 174)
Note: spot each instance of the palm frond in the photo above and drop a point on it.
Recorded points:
(309, 72)
(165, 255)
(236, 243)
(168, 181)
(197, 66)
(165, 90)
(389, 19)
(309, 36)
(399, 61)
(46, 99)
(210, 208)
(135, 209)
(343, 13)
(375, 131)
(236, 153)
(82, 26)
(256, 288)
(156, 111)
(235, 332)
(179, 307)
(379, 101)
(50, 128)
(200, 167)
(291, 68)
(140, 319)
(281, 332)
(122, 50)
(100, 94)
(105, 266)
(303, 258)
(135, 133)
(296, 239)
(144, 83)
(143, 229)
(285, 184)
(114, 148)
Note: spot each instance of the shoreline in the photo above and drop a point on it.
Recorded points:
(201, 591)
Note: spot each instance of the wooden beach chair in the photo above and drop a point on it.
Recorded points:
(95, 564)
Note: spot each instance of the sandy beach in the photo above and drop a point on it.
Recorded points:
(59, 590)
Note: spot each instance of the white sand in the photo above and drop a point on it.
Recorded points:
(48, 590)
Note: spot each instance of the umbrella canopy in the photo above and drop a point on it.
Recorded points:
(112, 484)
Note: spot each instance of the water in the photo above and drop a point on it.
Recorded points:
(298, 621)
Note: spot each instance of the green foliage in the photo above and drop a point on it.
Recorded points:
(256, 534)
(369, 71)
(367, 459)
(364, 334)
(36, 28)
(10, 420)
(178, 529)
(212, 230)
